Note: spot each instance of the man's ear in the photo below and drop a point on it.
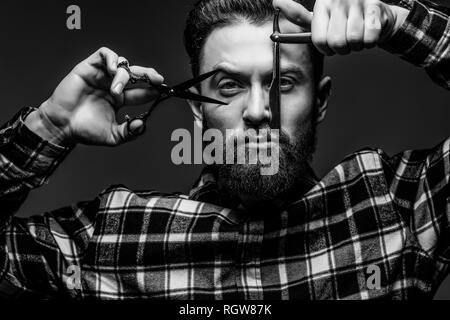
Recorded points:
(196, 108)
(322, 97)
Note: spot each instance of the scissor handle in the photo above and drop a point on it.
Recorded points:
(145, 115)
(304, 37)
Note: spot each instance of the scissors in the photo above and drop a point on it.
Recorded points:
(277, 37)
(166, 92)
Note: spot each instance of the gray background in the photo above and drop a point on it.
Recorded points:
(378, 100)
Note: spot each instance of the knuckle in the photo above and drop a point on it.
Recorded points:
(372, 38)
(104, 49)
(370, 41)
(354, 37)
(276, 3)
(337, 41)
(319, 39)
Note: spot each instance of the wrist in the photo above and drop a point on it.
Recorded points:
(38, 122)
(399, 15)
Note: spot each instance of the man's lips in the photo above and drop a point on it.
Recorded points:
(265, 139)
(262, 144)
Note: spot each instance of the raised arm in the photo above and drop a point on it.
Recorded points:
(424, 40)
(408, 28)
(36, 252)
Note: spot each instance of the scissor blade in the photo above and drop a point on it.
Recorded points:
(190, 83)
(196, 97)
(274, 93)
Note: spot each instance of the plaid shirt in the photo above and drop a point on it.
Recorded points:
(371, 215)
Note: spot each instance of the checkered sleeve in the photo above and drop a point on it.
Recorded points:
(420, 187)
(26, 162)
(424, 39)
(30, 256)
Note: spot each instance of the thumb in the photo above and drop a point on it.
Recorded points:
(295, 12)
(130, 130)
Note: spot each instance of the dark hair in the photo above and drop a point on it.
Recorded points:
(206, 15)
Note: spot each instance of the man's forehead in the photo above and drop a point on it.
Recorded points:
(248, 46)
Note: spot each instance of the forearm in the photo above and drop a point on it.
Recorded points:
(423, 39)
(26, 162)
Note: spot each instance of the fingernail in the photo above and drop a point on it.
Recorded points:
(161, 78)
(137, 127)
(118, 88)
(138, 130)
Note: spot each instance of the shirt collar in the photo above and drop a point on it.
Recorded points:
(206, 189)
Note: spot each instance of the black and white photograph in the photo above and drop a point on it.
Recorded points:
(245, 150)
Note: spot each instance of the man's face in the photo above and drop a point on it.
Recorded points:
(244, 55)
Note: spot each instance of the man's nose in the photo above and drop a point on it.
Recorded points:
(257, 111)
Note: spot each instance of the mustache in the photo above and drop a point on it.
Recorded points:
(261, 134)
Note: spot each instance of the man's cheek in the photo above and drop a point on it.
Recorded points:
(295, 111)
(224, 117)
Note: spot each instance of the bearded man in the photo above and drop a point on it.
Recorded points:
(238, 234)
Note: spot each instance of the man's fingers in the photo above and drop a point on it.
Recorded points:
(294, 12)
(146, 92)
(151, 73)
(98, 67)
(355, 28)
(104, 58)
(342, 26)
(319, 28)
(124, 132)
(337, 31)
(120, 79)
(372, 25)
(110, 58)
(138, 96)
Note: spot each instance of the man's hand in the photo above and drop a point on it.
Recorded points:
(83, 107)
(342, 26)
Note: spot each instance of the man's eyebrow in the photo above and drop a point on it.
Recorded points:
(227, 69)
(292, 68)
(289, 68)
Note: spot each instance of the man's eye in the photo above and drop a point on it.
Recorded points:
(286, 84)
(228, 88)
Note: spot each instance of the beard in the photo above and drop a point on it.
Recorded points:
(237, 180)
